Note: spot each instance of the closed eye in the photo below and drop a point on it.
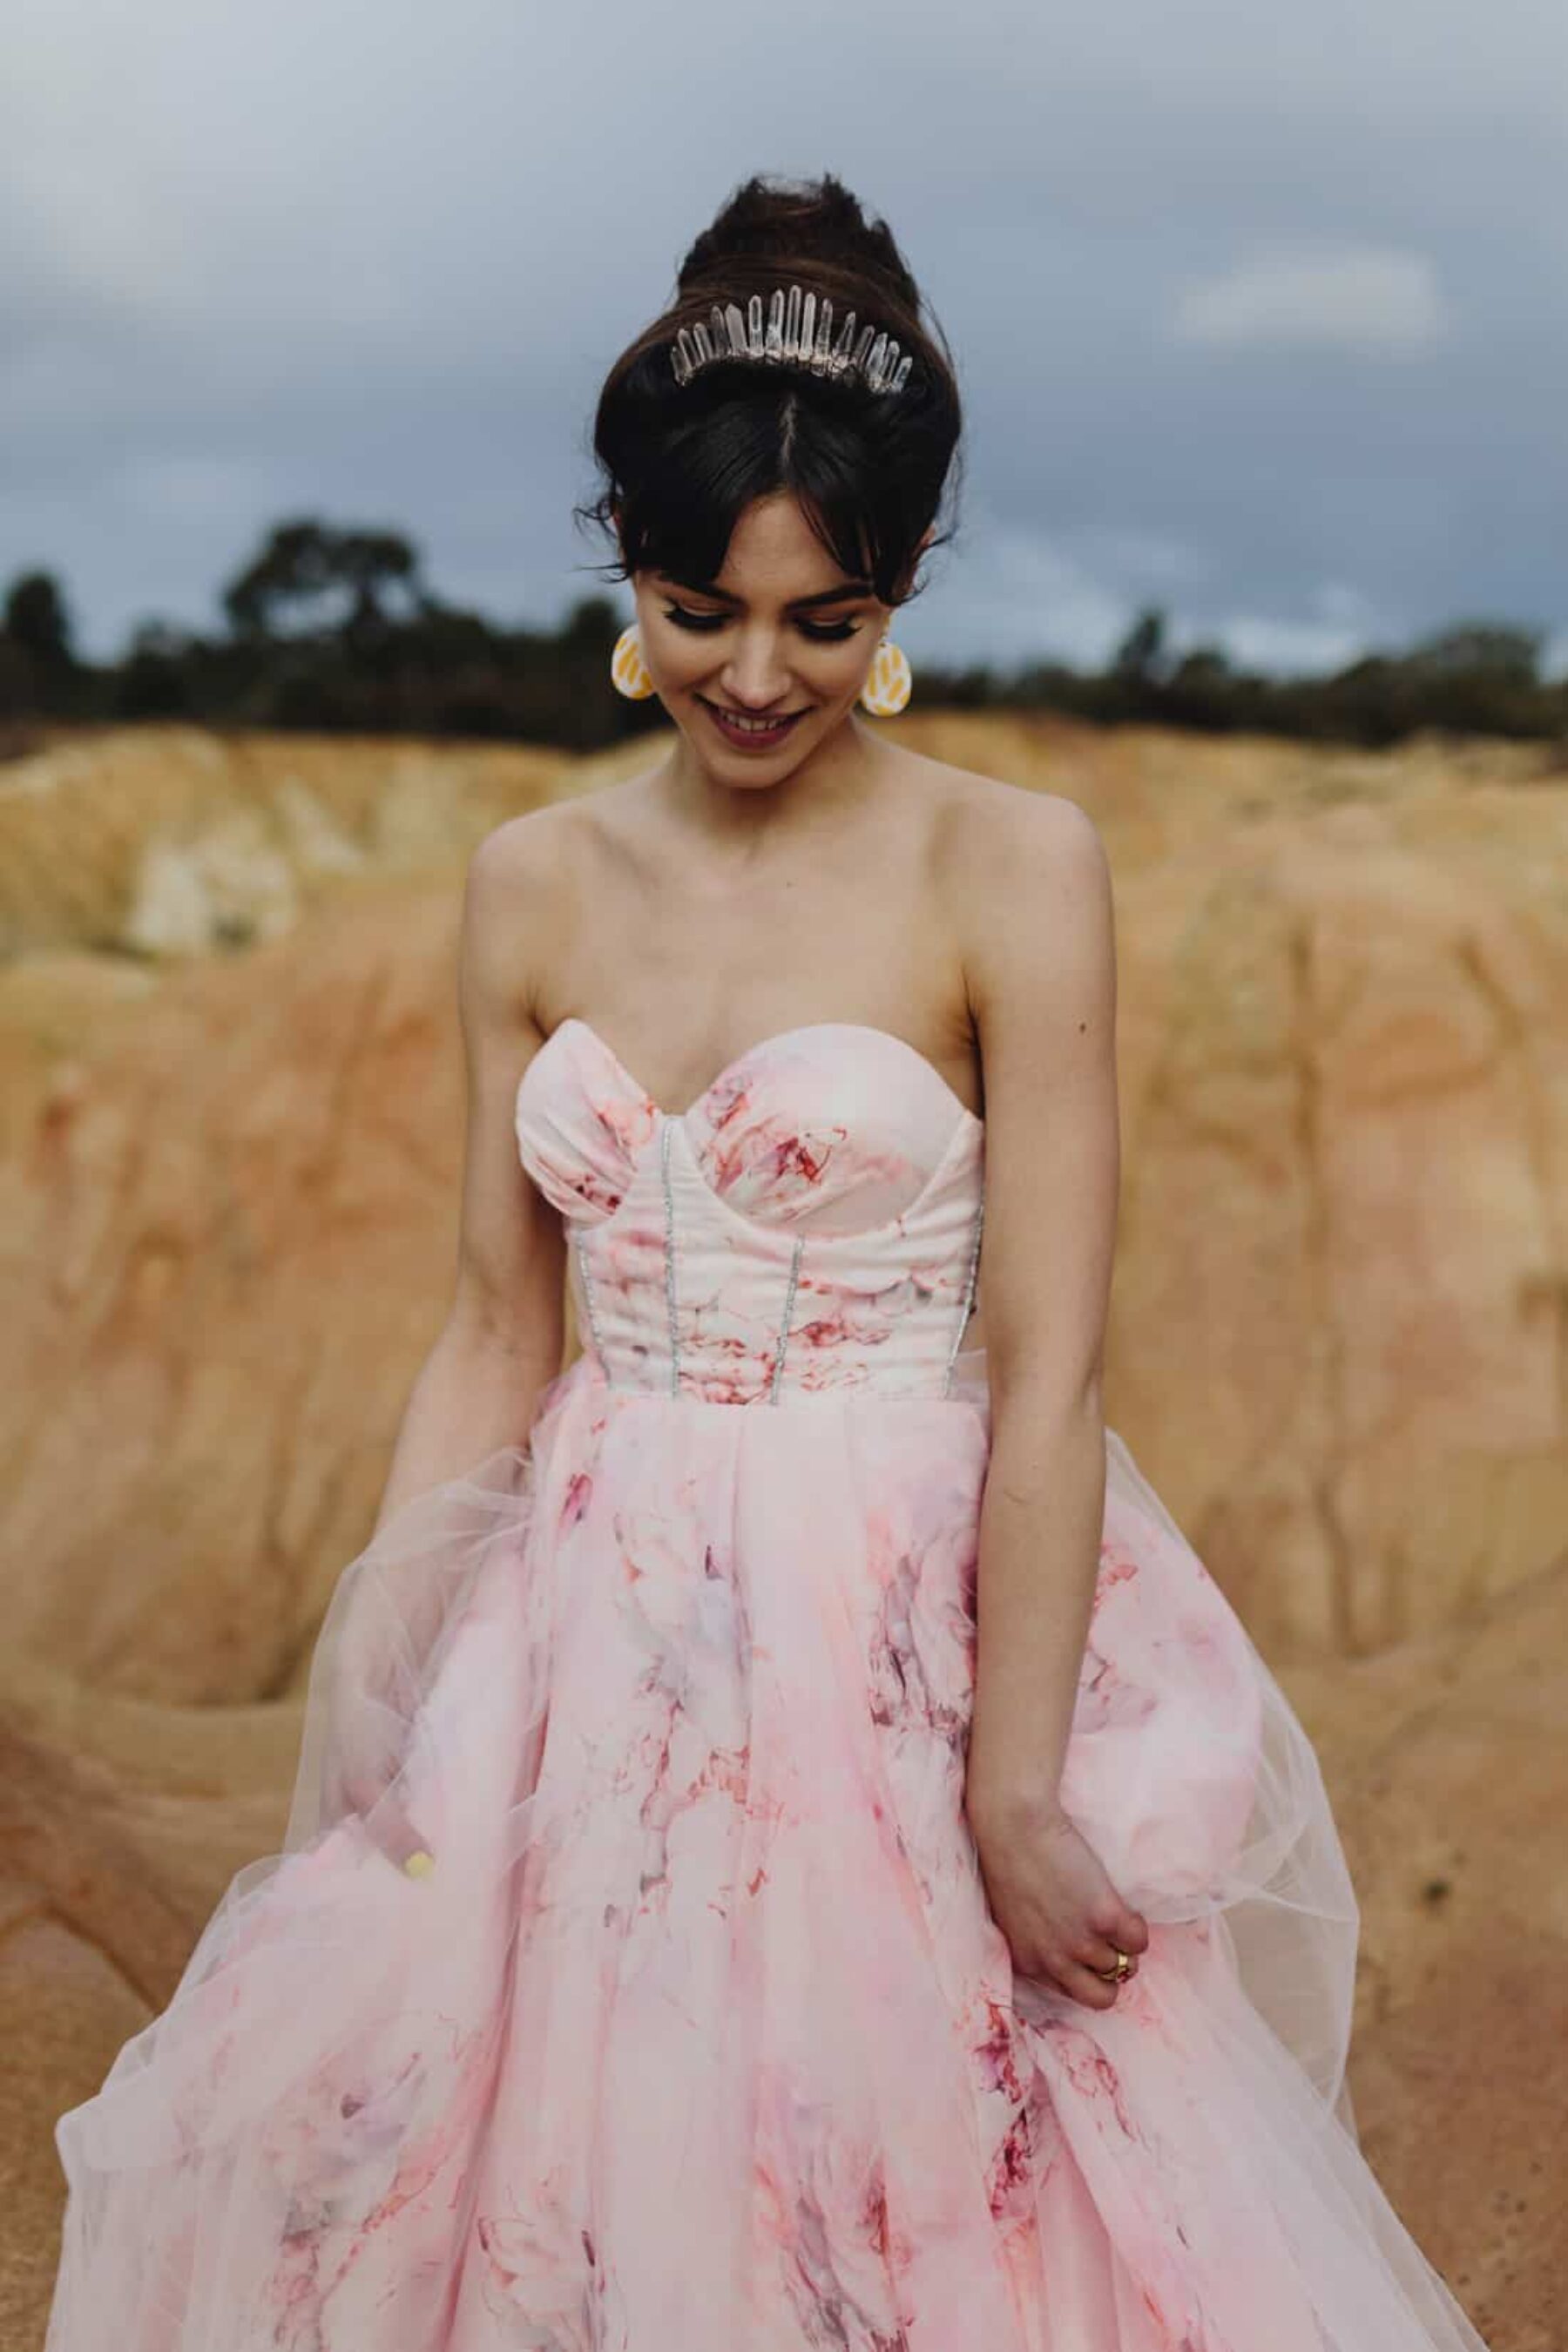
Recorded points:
(821, 632)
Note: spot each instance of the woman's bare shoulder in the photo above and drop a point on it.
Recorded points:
(996, 844)
(545, 852)
(545, 846)
(532, 879)
(1024, 884)
(515, 879)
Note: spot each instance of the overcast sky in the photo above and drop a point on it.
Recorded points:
(1261, 311)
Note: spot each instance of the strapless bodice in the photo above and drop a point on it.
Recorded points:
(811, 1224)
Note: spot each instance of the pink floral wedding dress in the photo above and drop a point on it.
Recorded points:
(699, 2036)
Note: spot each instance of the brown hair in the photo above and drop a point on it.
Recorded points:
(681, 463)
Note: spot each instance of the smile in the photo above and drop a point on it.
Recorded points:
(758, 734)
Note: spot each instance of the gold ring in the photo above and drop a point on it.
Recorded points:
(1121, 1971)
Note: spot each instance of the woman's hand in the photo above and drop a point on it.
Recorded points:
(1050, 1896)
(374, 1694)
(371, 1794)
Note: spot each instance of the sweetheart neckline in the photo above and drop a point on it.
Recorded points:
(779, 1037)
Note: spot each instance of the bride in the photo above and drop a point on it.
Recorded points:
(791, 1847)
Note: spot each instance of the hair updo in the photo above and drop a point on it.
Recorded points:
(681, 463)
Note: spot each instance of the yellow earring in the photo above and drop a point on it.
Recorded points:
(888, 682)
(628, 671)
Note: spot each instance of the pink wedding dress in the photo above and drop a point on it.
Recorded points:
(699, 2035)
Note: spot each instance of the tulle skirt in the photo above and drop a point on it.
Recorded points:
(696, 2034)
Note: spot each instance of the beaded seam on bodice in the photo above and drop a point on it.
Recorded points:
(811, 1224)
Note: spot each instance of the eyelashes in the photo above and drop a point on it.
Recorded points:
(819, 633)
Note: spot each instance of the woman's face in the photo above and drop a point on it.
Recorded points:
(782, 636)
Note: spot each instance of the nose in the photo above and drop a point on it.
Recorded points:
(756, 674)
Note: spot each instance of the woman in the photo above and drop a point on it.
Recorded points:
(833, 1872)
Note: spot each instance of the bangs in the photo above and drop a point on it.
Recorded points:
(679, 515)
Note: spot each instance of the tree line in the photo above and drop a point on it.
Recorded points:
(336, 629)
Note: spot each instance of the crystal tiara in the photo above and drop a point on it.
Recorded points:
(798, 330)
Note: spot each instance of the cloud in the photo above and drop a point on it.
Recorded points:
(369, 258)
(1279, 649)
(1010, 594)
(172, 489)
(1013, 595)
(1372, 301)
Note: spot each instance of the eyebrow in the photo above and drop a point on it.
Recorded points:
(796, 605)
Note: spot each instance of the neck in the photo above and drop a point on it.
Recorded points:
(842, 770)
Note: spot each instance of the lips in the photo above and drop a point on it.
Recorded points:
(733, 726)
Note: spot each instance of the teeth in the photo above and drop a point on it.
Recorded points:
(751, 725)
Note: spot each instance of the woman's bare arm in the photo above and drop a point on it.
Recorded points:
(501, 1341)
(1042, 983)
